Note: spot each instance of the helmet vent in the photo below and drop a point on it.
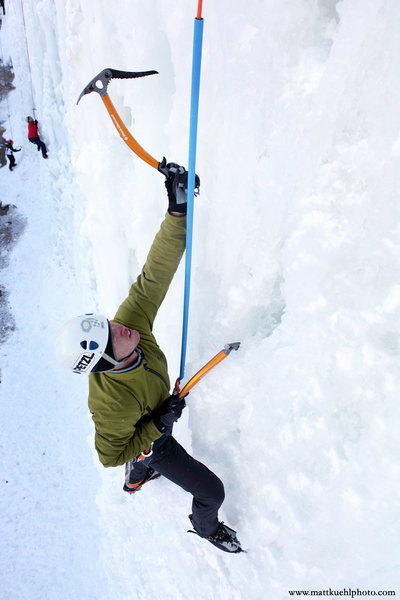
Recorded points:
(92, 345)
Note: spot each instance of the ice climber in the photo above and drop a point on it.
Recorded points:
(33, 136)
(10, 153)
(129, 396)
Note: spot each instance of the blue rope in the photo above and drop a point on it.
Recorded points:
(194, 112)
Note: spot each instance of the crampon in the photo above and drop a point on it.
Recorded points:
(225, 538)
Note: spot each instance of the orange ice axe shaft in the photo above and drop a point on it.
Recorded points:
(126, 135)
(99, 84)
(212, 363)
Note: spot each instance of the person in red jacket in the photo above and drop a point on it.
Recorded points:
(33, 136)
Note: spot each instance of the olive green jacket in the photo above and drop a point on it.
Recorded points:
(121, 403)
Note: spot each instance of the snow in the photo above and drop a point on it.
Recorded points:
(295, 254)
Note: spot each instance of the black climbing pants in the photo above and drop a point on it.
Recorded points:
(40, 145)
(12, 161)
(174, 463)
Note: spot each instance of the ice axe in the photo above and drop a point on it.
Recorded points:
(99, 84)
(226, 350)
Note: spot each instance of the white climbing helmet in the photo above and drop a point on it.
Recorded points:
(84, 344)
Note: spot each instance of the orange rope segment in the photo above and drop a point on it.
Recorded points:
(199, 9)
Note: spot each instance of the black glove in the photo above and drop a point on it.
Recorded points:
(169, 412)
(176, 184)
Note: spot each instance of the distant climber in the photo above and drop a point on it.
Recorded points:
(33, 136)
(10, 153)
(2, 6)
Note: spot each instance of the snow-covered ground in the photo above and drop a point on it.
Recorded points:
(296, 254)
